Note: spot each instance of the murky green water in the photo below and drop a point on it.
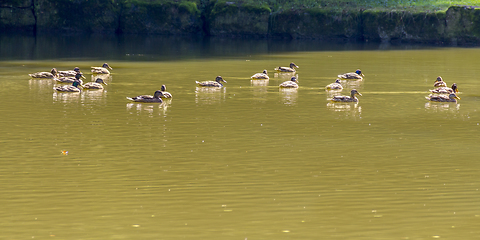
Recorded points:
(248, 161)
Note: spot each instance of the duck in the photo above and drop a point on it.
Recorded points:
(439, 82)
(95, 85)
(71, 79)
(351, 98)
(445, 90)
(293, 83)
(216, 83)
(334, 86)
(102, 70)
(452, 97)
(287, 69)
(52, 74)
(75, 87)
(69, 73)
(165, 93)
(156, 98)
(261, 76)
(357, 75)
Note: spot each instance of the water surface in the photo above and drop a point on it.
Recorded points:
(247, 161)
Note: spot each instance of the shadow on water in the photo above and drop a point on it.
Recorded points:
(164, 48)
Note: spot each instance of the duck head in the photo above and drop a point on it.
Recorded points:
(439, 79)
(220, 79)
(353, 92)
(294, 79)
(158, 94)
(337, 81)
(453, 96)
(79, 75)
(292, 65)
(163, 88)
(454, 88)
(359, 72)
(265, 71)
(99, 80)
(76, 69)
(105, 65)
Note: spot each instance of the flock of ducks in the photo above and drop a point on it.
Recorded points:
(441, 93)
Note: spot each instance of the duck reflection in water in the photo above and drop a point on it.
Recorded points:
(289, 95)
(347, 109)
(442, 106)
(209, 95)
(150, 109)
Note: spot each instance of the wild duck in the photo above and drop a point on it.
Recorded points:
(334, 86)
(357, 75)
(287, 69)
(452, 97)
(95, 85)
(156, 98)
(101, 70)
(293, 83)
(445, 90)
(351, 98)
(52, 74)
(75, 87)
(165, 93)
(217, 83)
(439, 82)
(69, 73)
(71, 79)
(261, 76)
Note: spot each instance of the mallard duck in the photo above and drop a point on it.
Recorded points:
(439, 82)
(156, 98)
(52, 74)
(101, 70)
(357, 75)
(452, 97)
(287, 69)
(216, 83)
(75, 87)
(445, 90)
(334, 86)
(351, 98)
(69, 73)
(165, 94)
(71, 79)
(293, 83)
(261, 76)
(95, 85)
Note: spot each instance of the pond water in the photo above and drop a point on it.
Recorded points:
(247, 161)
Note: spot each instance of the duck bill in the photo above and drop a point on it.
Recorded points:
(458, 98)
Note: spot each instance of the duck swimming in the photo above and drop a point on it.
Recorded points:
(95, 85)
(261, 76)
(101, 70)
(71, 79)
(156, 98)
(357, 75)
(351, 98)
(287, 69)
(439, 82)
(217, 83)
(75, 87)
(52, 74)
(445, 90)
(452, 97)
(69, 73)
(293, 83)
(334, 86)
(165, 94)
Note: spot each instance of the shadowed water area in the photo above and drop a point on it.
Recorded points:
(247, 161)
